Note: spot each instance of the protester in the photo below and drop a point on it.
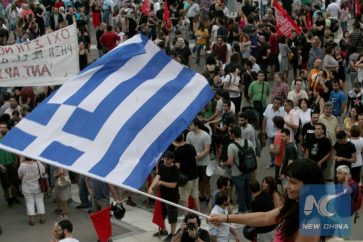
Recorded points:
(222, 232)
(63, 192)
(167, 181)
(358, 143)
(298, 173)
(29, 172)
(240, 179)
(66, 231)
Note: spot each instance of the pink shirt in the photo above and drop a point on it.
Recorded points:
(278, 237)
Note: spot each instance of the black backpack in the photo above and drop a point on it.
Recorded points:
(247, 157)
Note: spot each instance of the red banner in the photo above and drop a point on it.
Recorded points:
(284, 22)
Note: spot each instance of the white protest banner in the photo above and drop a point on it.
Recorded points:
(50, 59)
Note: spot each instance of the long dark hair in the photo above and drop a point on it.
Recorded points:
(272, 185)
(308, 172)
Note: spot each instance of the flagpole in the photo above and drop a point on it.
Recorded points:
(131, 189)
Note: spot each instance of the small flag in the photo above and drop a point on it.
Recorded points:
(102, 224)
(284, 22)
(308, 20)
(158, 214)
(115, 119)
(146, 8)
(357, 7)
(166, 16)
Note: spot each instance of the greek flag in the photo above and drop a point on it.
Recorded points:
(115, 119)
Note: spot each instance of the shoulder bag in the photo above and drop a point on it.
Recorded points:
(43, 181)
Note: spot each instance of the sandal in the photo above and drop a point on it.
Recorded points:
(62, 216)
(42, 221)
(31, 222)
(58, 211)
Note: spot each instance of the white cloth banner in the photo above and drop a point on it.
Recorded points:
(48, 60)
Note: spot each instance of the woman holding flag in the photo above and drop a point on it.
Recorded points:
(286, 217)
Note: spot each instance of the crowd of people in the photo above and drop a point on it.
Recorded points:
(285, 93)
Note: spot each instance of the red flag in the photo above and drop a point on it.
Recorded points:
(284, 22)
(158, 214)
(191, 203)
(357, 7)
(146, 8)
(102, 223)
(308, 20)
(166, 16)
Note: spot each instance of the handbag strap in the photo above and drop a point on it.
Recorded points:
(239, 148)
(40, 176)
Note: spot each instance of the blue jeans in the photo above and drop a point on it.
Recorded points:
(47, 18)
(198, 49)
(344, 26)
(243, 194)
(83, 192)
(106, 16)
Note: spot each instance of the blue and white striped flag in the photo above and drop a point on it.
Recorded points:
(115, 119)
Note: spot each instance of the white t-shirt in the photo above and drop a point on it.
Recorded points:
(269, 114)
(199, 140)
(221, 231)
(305, 117)
(333, 9)
(69, 240)
(358, 143)
(232, 82)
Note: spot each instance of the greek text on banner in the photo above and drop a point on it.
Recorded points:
(51, 59)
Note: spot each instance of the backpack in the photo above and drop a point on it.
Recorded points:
(334, 25)
(247, 157)
(357, 196)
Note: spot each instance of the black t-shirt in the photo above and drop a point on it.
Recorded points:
(47, 4)
(329, 85)
(263, 202)
(99, 33)
(185, 156)
(344, 150)
(39, 11)
(169, 174)
(69, 19)
(307, 131)
(291, 153)
(319, 23)
(305, 48)
(318, 149)
(202, 234)
(184, 53)
(262, 51)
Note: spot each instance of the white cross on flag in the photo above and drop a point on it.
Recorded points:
(116, 118)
